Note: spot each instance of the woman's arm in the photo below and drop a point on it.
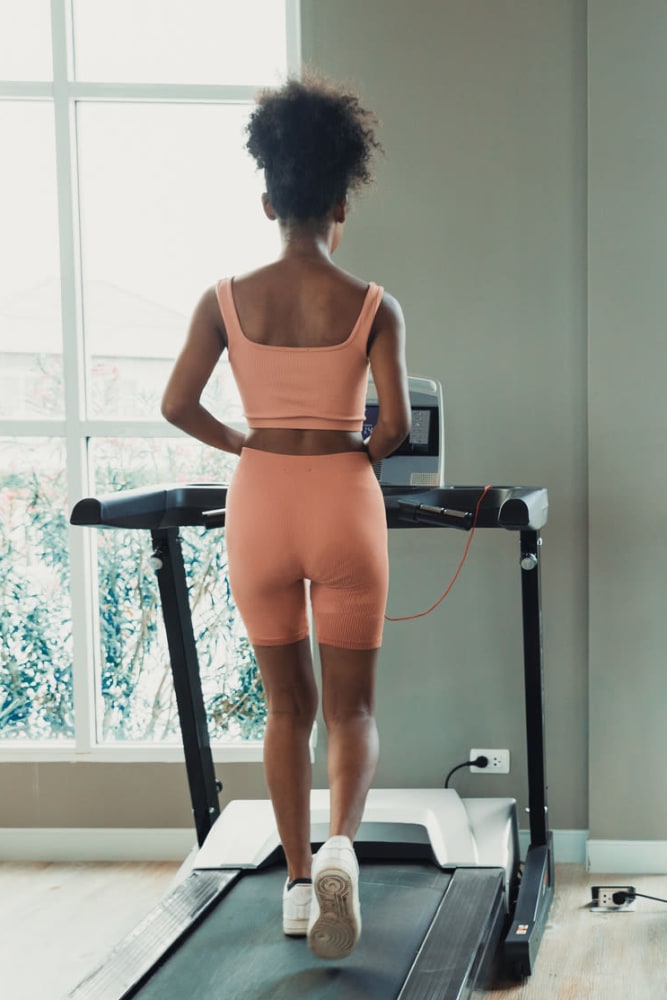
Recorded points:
(388, 366)
(205, 342)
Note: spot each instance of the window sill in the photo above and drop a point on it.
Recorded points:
(125, 753)
(63, 751)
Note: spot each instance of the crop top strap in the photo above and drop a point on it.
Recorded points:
(368, 311)
(228, 312)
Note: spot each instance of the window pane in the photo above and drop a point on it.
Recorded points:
(25, 40)
(35, 615)
(158, 41)
(31, 371)
(136, 692)
(170, 202)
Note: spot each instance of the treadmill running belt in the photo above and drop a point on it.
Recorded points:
(240, 952)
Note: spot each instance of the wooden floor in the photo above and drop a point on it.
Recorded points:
(58, 920)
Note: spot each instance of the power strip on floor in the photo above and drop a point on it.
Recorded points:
(613, 898)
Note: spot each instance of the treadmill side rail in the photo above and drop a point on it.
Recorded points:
(458, 950)
(135, 957)
(531, 912)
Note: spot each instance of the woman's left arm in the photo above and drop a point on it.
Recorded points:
(181, 406)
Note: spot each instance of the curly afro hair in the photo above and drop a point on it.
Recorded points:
(315, 144)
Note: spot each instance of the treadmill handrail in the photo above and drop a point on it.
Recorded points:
(514, 508)
(165, 505)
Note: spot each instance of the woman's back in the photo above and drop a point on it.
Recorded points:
(298, 303)
(290, 372)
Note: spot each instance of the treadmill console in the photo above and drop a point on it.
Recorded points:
(420, 460)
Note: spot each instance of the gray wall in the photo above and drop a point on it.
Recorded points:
(491, 205)
(478, 226)
(628, 418)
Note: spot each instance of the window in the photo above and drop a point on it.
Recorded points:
(125, 191)
(31, 376)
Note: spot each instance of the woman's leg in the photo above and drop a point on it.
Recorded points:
(291, 695)
(348, 685)
(348, 705)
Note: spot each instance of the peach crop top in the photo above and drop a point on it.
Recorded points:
(301, 387)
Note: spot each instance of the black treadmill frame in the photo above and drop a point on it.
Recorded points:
(530, 910)
(170, 572)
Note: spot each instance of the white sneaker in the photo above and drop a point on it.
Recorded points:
(335, 917)
(297, 896)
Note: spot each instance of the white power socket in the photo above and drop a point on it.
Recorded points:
(499, 761)
(603, 898)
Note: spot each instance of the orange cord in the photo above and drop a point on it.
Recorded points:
(421, 614)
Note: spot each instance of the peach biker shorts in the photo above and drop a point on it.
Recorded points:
(318, 518)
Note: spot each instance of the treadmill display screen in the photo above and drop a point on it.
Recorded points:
(423, 438)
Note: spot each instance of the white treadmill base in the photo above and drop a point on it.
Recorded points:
(462, 832)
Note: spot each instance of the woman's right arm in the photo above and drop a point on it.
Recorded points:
(205, 342)
(388, 367)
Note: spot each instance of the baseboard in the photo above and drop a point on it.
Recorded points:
(141, 844)
(637, 857)
(631, 857)
(569, 845)
(90, 844)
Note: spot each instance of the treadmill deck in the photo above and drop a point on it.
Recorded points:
(453, 919)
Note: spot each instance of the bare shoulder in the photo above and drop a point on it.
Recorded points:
(210, 304)
(209, 299)
(207, 317)
(390, 313)
(387, 334)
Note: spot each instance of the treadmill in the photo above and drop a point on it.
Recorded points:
(446, 901)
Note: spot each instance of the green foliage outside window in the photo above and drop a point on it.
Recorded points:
(36, 699)
(136, 686)
(135, 691)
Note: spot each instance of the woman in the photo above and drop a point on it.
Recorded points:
(304, 503)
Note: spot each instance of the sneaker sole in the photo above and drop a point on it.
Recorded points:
(295, 928)
(336, 930)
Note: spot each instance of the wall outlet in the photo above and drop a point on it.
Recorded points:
(603, 897)
(499, 761)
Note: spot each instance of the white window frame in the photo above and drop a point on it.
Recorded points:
(64, 93)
